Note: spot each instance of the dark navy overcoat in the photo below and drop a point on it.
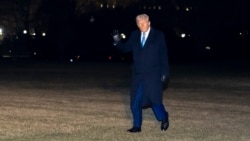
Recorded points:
(149, 64)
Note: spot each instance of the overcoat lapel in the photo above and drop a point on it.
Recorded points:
(150, 37)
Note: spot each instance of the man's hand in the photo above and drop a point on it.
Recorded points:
(164, 80)
(116, 37)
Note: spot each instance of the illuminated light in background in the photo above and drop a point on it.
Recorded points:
(1, 31)
(123, 36)
(25, 31)
(208, 48)
(177, 7)
(244, 33)
(101, 5)
(71, 60)
(1, 34)
(10, 51)
(34, 53)
(183, 35)
(78, 57)
(113, 6)
(92, 19)
(33, 34)
(110, 57)
(188, 8)
(43, 34)
(153, 7)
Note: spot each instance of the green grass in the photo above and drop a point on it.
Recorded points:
(90, 102)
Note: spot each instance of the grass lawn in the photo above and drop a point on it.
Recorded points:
(90, 102)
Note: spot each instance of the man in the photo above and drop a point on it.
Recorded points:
(149, 70)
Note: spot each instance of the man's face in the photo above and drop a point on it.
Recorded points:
(143, 24)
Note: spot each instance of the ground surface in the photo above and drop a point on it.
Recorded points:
(90, 102)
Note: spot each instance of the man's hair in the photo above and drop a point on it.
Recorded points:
(142, 17)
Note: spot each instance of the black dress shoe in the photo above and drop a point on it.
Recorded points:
(134, 129)
(164, 125)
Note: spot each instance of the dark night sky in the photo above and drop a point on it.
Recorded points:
(223, 25)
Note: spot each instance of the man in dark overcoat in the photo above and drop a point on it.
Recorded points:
(150, 69)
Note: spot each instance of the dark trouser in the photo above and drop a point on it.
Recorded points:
(159, 111)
